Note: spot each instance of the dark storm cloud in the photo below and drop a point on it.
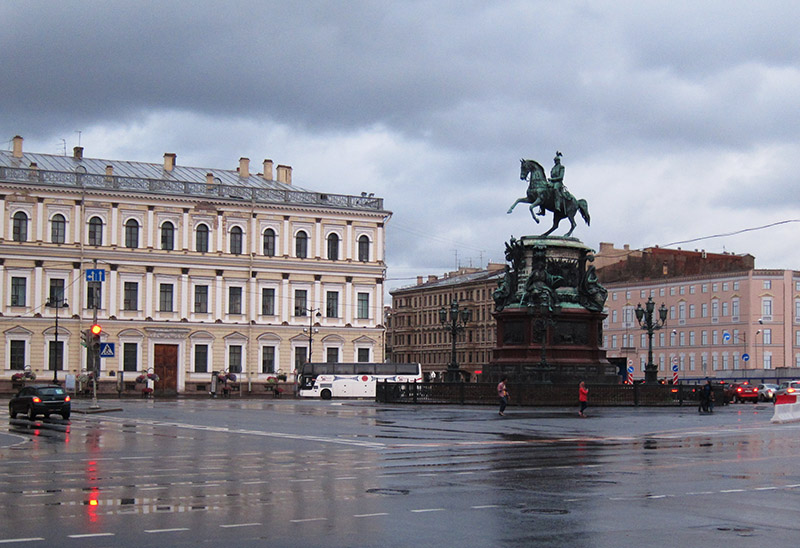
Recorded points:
(448, 70)
(445, 97)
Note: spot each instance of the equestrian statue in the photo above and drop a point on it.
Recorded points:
(550, 195)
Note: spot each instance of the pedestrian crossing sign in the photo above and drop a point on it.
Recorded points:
(106, 350)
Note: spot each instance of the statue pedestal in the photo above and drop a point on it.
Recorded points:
(549, 317)
(572, 347)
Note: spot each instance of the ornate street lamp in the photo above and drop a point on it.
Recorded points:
(311, 329)
(56, 303)
(454, 323)
(646, 321)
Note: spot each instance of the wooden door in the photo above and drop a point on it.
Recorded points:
(165, 365)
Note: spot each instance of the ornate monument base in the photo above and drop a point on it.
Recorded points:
(549, 313)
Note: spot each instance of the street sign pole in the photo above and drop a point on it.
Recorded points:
(94, 360)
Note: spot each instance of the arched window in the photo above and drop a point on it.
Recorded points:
(363, 249)
(201, 238)
(58, 229)
(20, 230)
(236, 240)
(167, 236)
(333, 247)
(269, 242)
(95, 231)
(301, 245)
(132, 233)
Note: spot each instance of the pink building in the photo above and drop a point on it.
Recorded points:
(724, 317)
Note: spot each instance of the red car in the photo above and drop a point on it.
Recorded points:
(742, 392)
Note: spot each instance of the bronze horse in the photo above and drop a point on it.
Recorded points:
(541, 192)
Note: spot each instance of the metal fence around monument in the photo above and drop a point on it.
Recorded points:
(541, 394)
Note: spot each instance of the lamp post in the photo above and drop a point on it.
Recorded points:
(645, 318)
(56, 303)
(310, 329)
(755, 345)
(454, 323)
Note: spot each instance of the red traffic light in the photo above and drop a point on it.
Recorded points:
(96, 329)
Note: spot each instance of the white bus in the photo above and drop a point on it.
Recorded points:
(353, 380)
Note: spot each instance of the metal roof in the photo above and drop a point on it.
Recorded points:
(454, 280)
(139, 170)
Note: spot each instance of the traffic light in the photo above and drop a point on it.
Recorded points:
(86, 337)
(94, 341)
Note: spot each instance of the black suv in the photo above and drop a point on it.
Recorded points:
(40, 400)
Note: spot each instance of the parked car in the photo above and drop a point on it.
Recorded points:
(766, 392)
(788, 387)
(741, 392)
(40, 400)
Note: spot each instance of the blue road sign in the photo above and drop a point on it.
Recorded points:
(630, 369)
(106, 350)
(746, 357)
(95, 275)
(674, 367)
(726, 336)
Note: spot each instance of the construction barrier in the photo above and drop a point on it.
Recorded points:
(787, 409)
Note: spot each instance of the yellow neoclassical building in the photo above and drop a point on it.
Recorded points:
(204, 270)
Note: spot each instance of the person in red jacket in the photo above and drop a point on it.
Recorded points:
(583, 398)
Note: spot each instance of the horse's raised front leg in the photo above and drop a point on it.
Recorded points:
(533, 213)
(510, 209)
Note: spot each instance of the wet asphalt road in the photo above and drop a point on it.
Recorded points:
(356, 473)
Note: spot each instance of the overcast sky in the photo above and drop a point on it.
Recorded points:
(677, 120)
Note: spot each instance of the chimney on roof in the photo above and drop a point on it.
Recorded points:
(285, 174)
(17, 146)
(244, 167)
(77, 153)
(267, 170)
(169, 161)
(419, 280)
(110, 171)
(209, 179)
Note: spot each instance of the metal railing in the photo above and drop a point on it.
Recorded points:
(90, 181)
(541, 394)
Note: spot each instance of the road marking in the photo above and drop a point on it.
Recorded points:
(307, 519)
(370, 515)
(174, 530)
(732, 491)
(420, 510)
(10, 540)
(346, 478)
(481, 507)
(299, 480)
(230, 525)
(90, 535)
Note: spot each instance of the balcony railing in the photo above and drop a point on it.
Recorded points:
(91, 181)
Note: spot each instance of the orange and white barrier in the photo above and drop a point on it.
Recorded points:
(787, 408)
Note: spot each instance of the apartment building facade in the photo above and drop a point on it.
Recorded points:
(725, 318)
(205, 270)
(415, 333)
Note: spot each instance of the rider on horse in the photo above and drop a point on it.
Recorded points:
(557, 181)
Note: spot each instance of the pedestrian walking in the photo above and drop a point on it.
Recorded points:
(583, 398)
(706, 395)
(502, 393)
